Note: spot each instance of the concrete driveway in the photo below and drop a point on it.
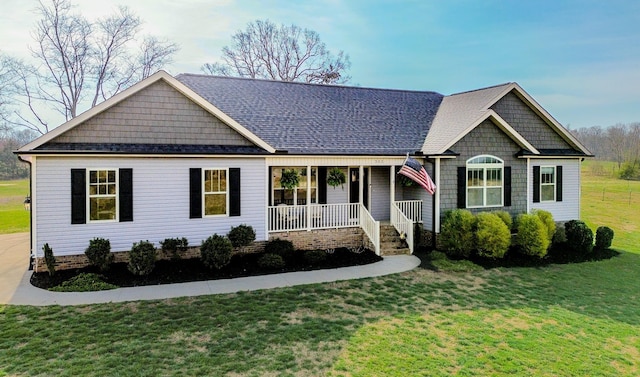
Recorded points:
(14, 262)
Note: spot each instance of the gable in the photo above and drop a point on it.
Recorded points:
(528, 123)
(157, 114)
(486, 138)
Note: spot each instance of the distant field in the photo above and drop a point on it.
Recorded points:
(613, 202)
(13, 217)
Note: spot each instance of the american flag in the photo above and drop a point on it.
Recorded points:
(413, 170)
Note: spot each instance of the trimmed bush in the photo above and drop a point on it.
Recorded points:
(283, 248)
(241, 235)
(270, 262)
(547, 220)
(49, 259)
(604, 238)
(215, 251)
(493, 237)
(315, 257)
(174, 246)
(506, 218)
(579, 236)
(456, 235)
(84, 282)
(142, 258)
(99, 253)
(532, 238)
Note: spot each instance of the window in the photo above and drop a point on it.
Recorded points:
(103, 195)
(298, 195)
(547, 183)
(484, 182)
(215, 192)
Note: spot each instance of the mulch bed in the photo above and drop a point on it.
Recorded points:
(187, 270)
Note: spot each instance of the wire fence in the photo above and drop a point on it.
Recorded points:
(628, 197)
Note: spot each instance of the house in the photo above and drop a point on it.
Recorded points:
(193, 155)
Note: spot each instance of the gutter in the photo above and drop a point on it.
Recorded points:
(31, 254)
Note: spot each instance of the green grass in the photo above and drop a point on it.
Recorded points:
(13, 217)
(561, 320)
(612, 202)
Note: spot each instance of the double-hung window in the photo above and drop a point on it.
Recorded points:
(215, 192)
(547, 183)
(103, 195)
(484, 182)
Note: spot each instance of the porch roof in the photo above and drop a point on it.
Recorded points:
(312, 119)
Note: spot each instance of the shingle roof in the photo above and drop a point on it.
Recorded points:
(457, 112)
(322, 119)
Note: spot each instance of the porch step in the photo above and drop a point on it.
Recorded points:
(390, 242)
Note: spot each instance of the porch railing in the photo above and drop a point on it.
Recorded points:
(403, 224)
(371, 228)
(283, 218)
(411, 208)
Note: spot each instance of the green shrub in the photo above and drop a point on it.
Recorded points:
(173, 246)
(579, 236)
(84, 282)
(99, 253)
(215, 251)
(241, 235)
(560, 236)
(506, 218)
(629, 171)
(49, 259)
(493, 237)
(315, 257)
(271, 262)
(456, 235)
(142, 258)
(283, 248)
(547, 220)
(604, 238)
(532, 238)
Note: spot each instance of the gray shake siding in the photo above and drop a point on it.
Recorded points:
(528, 124)
(157, 114)
(484, 139)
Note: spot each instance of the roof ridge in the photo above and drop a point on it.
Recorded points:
(204, 75)
(481, 89)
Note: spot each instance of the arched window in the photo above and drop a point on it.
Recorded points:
(485, 183)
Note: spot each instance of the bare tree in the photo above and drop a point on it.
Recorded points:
(285, 53)
(79, 60)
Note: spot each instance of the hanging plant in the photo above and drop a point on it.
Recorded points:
(289, 179)
(405, 181)
(336, 177)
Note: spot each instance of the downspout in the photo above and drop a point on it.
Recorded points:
(31, 260)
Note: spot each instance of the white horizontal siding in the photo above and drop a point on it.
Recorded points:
(569, 207)
(160, 202)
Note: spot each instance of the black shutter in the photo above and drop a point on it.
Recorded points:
(78, 196)
(234, 192)
(195, 193)
(536, 184)
(462, 187)
(507, 186)
(126, 194)
(322, 184)
(558, 183)
(270, 188)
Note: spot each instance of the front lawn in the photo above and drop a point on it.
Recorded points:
(13, 217)
(558, 320)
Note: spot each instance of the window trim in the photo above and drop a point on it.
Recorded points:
(554, 183)
(484, 166)
(204, 192)
(116, 196)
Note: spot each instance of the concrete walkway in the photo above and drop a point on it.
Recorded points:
(15, 288)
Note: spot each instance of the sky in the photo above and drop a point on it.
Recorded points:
(580, 59)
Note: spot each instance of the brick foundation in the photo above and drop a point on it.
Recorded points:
(66, 262)
(325, 238)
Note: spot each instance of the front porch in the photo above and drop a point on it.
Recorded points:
(313, 217)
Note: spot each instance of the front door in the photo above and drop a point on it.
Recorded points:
(354, 186)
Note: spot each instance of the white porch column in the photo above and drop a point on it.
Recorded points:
(436, 220)
(361, 184)
(307, 210)
(392, 188)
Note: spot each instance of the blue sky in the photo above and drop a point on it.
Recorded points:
(579, 59)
